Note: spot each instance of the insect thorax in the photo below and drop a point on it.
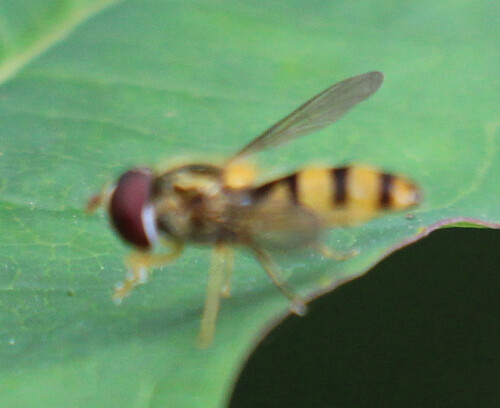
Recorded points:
(190, 203)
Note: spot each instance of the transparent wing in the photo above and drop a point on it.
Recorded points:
(317, 113)
(277, 224)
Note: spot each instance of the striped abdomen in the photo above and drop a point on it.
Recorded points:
(342, 196)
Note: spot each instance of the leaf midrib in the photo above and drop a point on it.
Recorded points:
(14, 63)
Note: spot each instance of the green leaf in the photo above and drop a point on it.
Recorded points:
(90, 89)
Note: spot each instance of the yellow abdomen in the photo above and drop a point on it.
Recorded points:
(349, 195)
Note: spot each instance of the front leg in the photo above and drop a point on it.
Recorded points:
(138, 264)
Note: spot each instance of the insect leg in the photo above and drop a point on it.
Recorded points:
(138, 263)
(216, 278)
(327, 252)
(298, 305)
(228, 271)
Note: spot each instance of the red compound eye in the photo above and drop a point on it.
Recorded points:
(130, 210)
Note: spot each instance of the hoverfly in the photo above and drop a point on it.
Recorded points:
(223, 205)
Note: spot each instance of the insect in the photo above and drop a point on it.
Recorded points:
(224, 206)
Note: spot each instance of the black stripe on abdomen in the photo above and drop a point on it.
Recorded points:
(386, 182)
(290, 182)
(339, 182)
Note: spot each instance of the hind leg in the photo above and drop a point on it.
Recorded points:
(298, 305)
(329, 253)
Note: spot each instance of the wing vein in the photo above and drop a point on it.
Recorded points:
(319, 112)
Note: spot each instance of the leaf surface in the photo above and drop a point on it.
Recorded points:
(90, 89)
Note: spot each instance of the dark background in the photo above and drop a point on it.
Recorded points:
(421, 329)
